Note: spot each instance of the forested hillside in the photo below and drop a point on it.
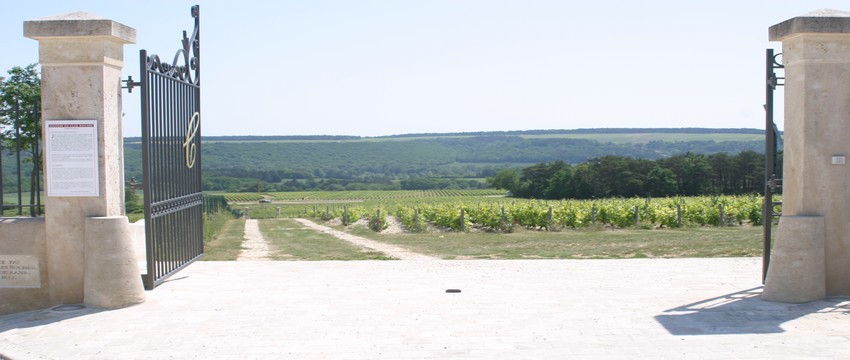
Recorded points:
(281, 163)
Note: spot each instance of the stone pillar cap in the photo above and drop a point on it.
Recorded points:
(78, 24)
(823, 21)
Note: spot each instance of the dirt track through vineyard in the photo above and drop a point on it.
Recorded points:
(391, 250)
(255, 246)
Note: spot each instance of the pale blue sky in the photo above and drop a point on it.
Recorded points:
(390, 67)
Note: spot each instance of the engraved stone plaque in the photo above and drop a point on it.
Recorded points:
(19, 271)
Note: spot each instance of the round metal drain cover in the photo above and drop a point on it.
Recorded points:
(72, 307)
(452, 291)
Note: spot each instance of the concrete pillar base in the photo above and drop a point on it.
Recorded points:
(112, 279)
(797, 270)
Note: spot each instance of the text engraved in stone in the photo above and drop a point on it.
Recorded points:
(19, 271)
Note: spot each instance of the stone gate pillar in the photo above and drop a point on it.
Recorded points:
(811, 257)
(81, 58)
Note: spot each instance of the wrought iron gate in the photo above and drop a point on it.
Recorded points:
(772, 166)
(171, 158)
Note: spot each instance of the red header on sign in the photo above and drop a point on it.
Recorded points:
(70, 125)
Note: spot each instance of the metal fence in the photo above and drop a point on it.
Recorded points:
(214, 204)
(21, 182)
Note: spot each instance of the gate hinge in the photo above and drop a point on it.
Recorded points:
(774, 183)
(130, 84)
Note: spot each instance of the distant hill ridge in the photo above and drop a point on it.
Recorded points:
(592, 131)
(692, 130)
(293, 162)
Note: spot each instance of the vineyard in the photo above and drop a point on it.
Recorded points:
(574, 214)
(361, 195)
(487, 210)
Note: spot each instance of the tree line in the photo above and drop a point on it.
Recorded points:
(688, 174)
(242, 184)
(20, 99)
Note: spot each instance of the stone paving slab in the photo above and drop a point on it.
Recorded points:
(536, 309)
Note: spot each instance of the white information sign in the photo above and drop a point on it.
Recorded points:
(71, 158)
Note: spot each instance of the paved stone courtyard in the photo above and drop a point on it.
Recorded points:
(535, 309)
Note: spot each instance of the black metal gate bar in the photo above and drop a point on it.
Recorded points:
(171, 152)
(17, 116)
(771, 181)
(18, 157)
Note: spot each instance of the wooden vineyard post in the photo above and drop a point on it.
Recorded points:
(679, 214)
(637, 214)
(462, 220)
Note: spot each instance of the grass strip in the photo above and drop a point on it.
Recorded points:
(289, 240)
(226, 245)
(704, 242)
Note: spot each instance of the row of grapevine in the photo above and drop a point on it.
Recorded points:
(618, 213)
(242, 197)
(350, 214)
(347, 214)
(504, 214)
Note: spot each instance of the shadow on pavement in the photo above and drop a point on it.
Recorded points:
(44, 317)
(742, 312)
